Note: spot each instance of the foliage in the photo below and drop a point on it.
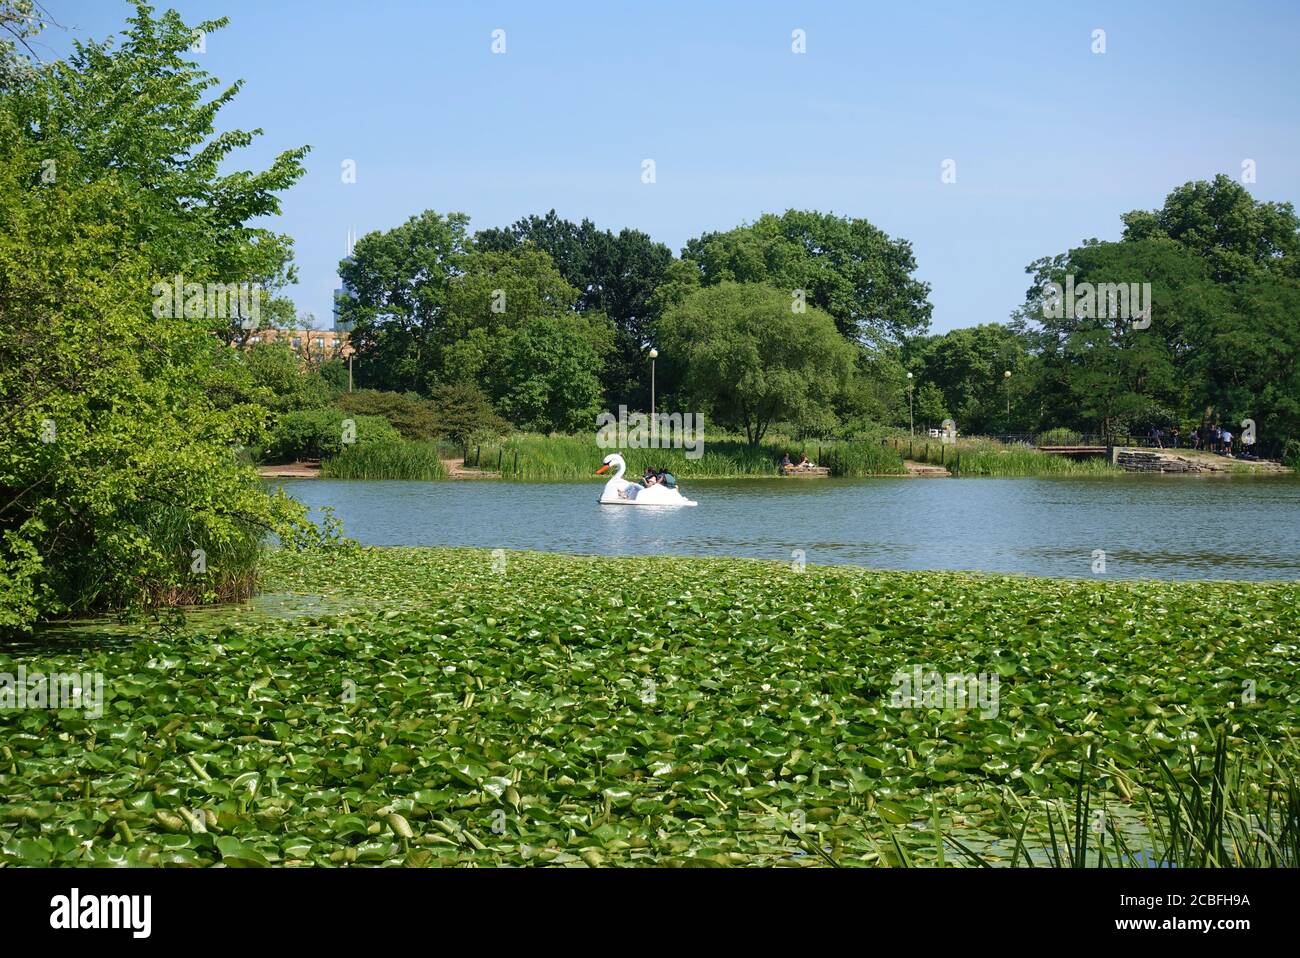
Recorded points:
(985, 458)
(464, 413)
(547, 376)
(846, 267)
(410, 414)
(1059, 437)
(116, 462)
(1238, 236)
(551, 458)
(750, 360)
(285, 380)
(960, 375)
(1222, 345)
(320, 433)
(386, 460)
(616, 276)
(868, 458)
(699, 712)
(400, 279)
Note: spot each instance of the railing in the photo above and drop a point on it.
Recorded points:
(1083, 439)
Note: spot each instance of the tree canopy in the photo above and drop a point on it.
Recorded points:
(749, 360)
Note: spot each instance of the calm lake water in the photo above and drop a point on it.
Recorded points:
(1148, 527)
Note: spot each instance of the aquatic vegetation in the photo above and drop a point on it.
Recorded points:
(988, 458)
(538, 458)
(866, 458)
(449, 706)
(404, 459)
(531, 457)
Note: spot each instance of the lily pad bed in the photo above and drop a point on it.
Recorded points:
(454, 707)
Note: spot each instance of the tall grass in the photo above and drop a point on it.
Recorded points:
(984, 457)
(386, 460)
(1211, 812)
(867, 458)
(225, 571)
(532, 457)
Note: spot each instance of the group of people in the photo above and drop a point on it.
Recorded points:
(1208, 437)
(1173, 437)
(803, 463)
(1215, 438)
(655, 477)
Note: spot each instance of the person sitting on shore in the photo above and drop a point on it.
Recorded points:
(785, 461)
(804, 463)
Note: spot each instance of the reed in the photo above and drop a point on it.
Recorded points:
(537, 458)
(387, 460)
(984, 457)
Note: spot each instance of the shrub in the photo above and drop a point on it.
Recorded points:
(1059, 436)
(319, 433)
(464, 413)
(411, 415)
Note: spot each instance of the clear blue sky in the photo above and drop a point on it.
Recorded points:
(1052, 142)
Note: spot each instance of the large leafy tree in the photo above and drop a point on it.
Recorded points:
(116, 461)
(617, 275)
(1104, 373)
(546, 377)
(401, 280)
(493, 295)
(749, 360)
(960, 374)
(1239, 237)
(844, 266)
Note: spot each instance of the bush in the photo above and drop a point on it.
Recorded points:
(411, 415)
(319, 434)
(1059, 437)
(465, 414)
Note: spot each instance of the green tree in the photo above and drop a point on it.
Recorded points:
(495, 295)
(966, 368)
(119, 481)
(750, 360)
(547, 377)
(464, 413)
(1103, 373)
(1238, 237)
(401, 281)
(846, 267)
(616, 275)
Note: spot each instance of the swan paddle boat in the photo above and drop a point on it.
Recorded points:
(619, 492)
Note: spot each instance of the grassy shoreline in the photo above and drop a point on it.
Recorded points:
(557, 458)
(452, 706)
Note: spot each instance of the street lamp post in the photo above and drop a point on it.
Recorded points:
(1006, 378)
(349, 352)
(911, 424)
(654, 354)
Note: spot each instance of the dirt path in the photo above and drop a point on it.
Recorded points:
(924, 470)
(292, 470)
(456, 470)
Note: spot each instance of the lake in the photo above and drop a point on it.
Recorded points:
(1148, 527)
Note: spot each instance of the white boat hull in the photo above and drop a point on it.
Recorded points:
(618, 492)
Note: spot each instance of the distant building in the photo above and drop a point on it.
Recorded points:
(344, 291)
(317, 345)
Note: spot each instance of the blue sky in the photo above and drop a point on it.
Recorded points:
(1051, 141)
